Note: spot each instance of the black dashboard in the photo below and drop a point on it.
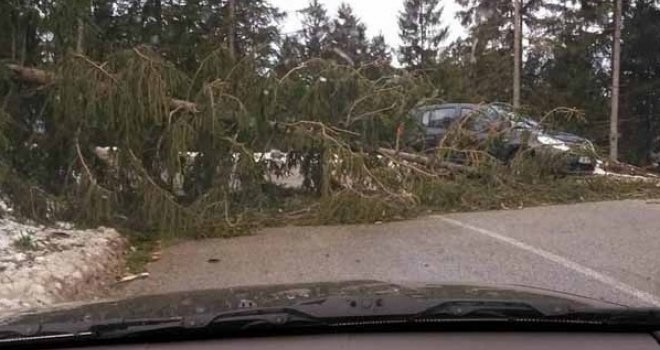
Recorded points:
(419, 341)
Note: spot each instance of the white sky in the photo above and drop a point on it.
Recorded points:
(380, 16)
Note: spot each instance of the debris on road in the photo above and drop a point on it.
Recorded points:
(133, 277)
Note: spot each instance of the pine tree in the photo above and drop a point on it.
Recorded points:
(567, 66)
(421, 32)
(640, 81)
(348, 37)
(152, 22)
(487, 52)
(20, 26)
(256, 29)
(379, 51)
(291, 53)
(316, 29)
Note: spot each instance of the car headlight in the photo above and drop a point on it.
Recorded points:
(551, 141)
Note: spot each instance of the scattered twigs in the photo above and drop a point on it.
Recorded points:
(88, 171)
(97, 66)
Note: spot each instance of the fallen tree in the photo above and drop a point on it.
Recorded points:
(41, 77)
(315, 112)
(337, 127)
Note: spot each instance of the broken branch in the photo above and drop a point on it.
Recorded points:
(42, 77)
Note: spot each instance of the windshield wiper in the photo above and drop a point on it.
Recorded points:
(540, 313)
(473, 309)
(117, 328)
(123, 328)
(615, 317)
(263, 318)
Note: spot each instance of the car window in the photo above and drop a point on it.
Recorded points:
(466, 111)
(439, 118)
(478, 119)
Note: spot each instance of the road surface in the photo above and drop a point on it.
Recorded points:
(605, 250)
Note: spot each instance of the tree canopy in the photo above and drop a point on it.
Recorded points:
(421, 32)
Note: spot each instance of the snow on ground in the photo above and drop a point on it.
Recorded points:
(41, 266)
(625, 177)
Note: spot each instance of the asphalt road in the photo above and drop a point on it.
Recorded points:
(606, 250)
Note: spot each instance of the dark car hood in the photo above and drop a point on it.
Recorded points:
(182, 304)
(567, 138)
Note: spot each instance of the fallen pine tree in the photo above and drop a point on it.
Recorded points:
(129, 103)
(337, 127)
(41, 77)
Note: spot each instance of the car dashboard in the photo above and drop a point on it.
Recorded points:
(419, 341)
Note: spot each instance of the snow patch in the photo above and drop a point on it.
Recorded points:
(41, 266)
(599, 171)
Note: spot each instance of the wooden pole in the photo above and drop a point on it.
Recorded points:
(517, 52)
(616, 65)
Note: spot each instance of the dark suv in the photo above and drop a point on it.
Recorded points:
(516, 133)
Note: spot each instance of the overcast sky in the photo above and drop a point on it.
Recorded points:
(380, 16)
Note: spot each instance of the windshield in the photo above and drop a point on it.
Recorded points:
(152, 147)
(510, 113)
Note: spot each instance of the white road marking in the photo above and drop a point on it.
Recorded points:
(569, 264)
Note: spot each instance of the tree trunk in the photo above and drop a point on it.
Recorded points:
(424, 160)
(80, 37)
(517, 52)
(616, 64)
(13, 42)
(422, 42)
(31, 75)
(232, 29)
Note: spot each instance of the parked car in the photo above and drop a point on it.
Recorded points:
(516, 133)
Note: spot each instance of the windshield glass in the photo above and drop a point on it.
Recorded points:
(509, 112)
(151, 147)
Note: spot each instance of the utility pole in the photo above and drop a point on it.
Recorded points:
(616, 66)
(517, 52)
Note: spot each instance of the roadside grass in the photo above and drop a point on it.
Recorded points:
(141, 248)
(25, 242)
(461, 196)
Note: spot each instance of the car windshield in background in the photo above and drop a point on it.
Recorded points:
(183, 167)
(510, 113)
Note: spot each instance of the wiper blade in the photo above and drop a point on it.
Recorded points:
(264, 318)
(631, 317)
(472, 309)
(123, 328)
(349, 311)
(77, 331)
(539, 313)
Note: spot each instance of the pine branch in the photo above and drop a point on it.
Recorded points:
(31, 75)
(88, 171)
(424, 160)
(42, 77)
